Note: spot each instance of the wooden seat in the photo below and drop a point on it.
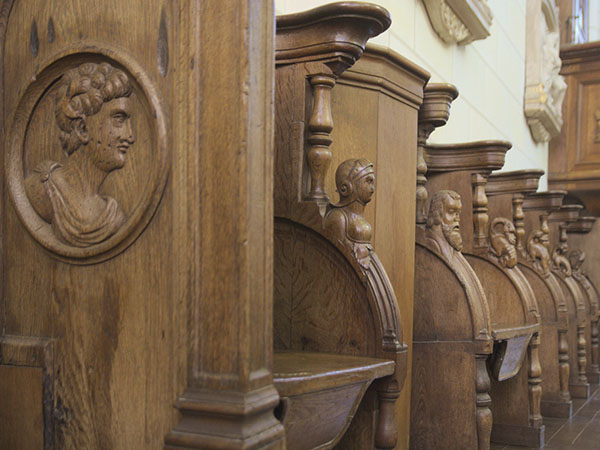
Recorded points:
(320, 393)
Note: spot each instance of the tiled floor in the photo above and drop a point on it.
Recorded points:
(581, 432)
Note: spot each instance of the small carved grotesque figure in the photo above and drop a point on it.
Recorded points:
(576, 258)
(93, 114)
(560, 260)
(537, 252)
(503, 240)
(355, 181)
(444, 221)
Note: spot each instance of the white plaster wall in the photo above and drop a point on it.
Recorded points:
(594, 20)
(489, 74)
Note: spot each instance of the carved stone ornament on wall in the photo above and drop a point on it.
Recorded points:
(460, 21)
(87, 155)
(544, 87)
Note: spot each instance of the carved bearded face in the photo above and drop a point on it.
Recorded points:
(451, 222)
(111, 134)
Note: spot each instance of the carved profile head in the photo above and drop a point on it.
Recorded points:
(576, 258)
(537, 252)
(444, 217)
(355, 181)
(503, 240)
(93, 111)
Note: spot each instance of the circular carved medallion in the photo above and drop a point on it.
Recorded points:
(87, 155)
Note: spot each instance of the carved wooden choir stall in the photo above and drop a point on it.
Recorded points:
(337, 326)
(506, 194)
(489, 248)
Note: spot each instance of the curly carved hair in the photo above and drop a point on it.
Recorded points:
(81, 93)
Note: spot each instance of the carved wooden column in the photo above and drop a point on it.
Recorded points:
(483, 402)
(434, 113)
(319, 128)
(518, 221)
(480, 212)
(230, 397)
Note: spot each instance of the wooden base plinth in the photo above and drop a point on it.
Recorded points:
(560, 409)
(227, 419)
(580, 390)
(593, 377)
(517, 435)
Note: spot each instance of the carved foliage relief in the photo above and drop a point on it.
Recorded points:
(544, 87)
(87, 157)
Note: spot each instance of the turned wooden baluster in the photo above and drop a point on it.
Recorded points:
(483, 402)
(386, 435)
(480, 211)
(519, 221)
(434, 113)
(319, 138)
(594, 364)
(535, 381)
(564, 368)
(581, 353)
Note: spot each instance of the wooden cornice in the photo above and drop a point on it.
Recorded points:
(381, 68)
(582, 225)
(578, 53)
(479, 155)
(566, 214)
(335, 34)
(514, 182)
(544, 201)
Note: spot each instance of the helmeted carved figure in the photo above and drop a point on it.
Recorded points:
(503, 240)
(93, 114)
(355, 181)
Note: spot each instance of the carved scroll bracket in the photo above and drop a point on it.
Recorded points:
(460, 21)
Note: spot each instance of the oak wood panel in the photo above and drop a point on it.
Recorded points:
(575, 153)
(21, 418)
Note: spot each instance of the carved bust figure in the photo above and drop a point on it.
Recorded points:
(443, 221)
(560, 260)
(537, 252)
(93, 114)
(355, 181)
(503, 240)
